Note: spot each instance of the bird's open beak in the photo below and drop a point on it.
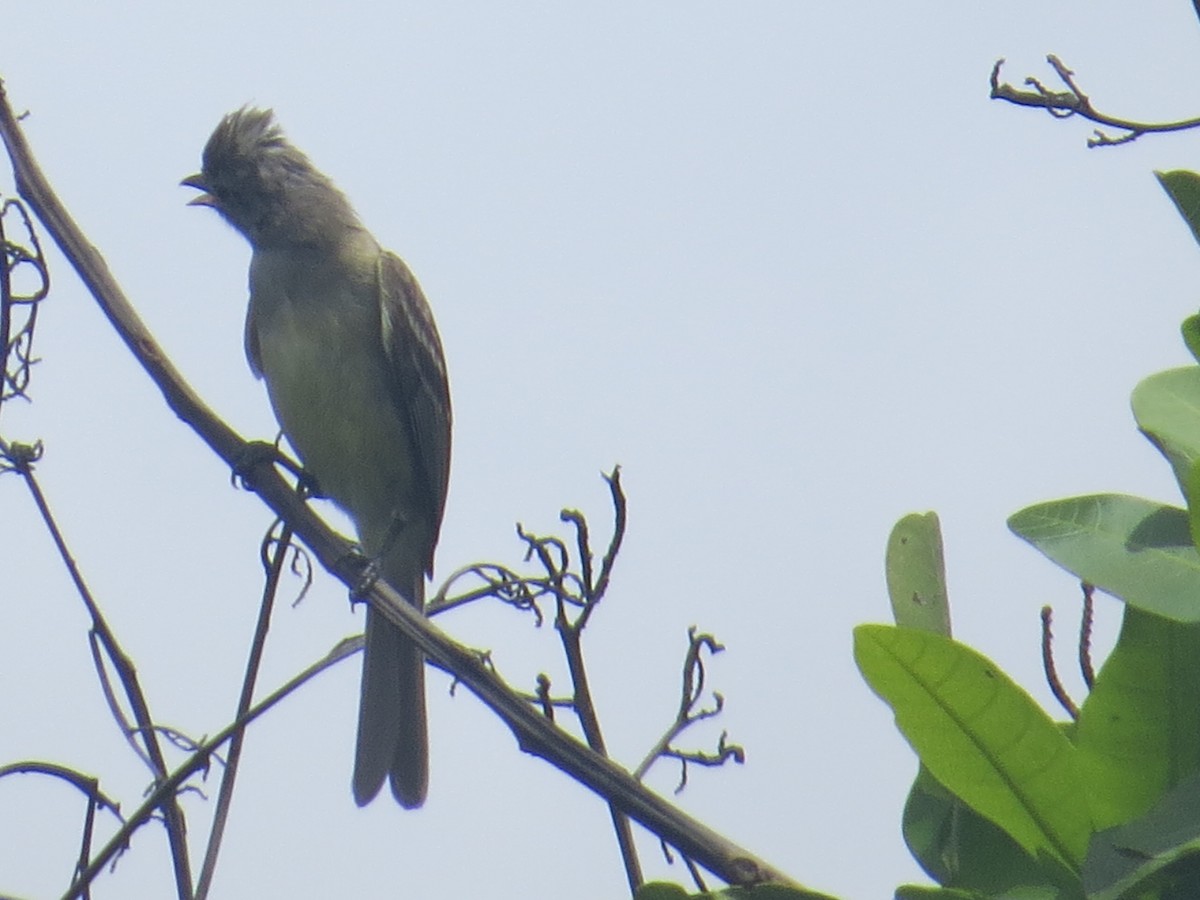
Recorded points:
(197, 181)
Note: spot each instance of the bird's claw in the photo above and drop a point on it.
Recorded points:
(368, 576)
(256, 453)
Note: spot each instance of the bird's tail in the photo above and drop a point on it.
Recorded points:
(393, 742)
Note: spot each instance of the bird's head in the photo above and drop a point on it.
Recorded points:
(263, 186)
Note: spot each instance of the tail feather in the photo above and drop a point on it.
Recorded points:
(393, 742)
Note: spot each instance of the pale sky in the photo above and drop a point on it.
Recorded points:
(786, 263)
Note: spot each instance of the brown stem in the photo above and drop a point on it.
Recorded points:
(282, 545)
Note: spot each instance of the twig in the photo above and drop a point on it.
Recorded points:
(18, 351)
(543, 696)
(85, 839)
(1074, 102)
(520, 592)
(687, 715)
(131, 730)
(86, 785)
(725, 752)
(571, 634)
(1085, 633)
(1056, 687)
(275, 550)
(614, 545)
(199, 760)
(127, 673)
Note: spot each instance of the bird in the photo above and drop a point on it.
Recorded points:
(341, 333)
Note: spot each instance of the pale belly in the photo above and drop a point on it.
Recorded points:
(327, 377)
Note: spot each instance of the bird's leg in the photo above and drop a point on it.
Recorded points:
(371, 571)
(395, 529)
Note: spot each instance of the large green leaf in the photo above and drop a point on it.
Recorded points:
(981, 736)
(958, 848)
(1183, 187)
(661, 890)
(916, 574)
(1132, 548)
(1167, 409)
(917, 892)
(1190, 329)
(1138, 732)
(1155, 856)
(1192, 489)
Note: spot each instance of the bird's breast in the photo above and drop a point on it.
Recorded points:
(321, 353)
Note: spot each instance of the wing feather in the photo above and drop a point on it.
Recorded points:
(420, 387)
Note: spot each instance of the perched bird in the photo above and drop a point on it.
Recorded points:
(341, 332)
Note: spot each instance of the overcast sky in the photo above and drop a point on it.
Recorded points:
(784, 262)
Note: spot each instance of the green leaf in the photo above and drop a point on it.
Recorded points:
(1191, 335)
(918, 892)
(1134, 549)
(1155, 856)
(1167, 409)
(666, 890)
(1138, 732)
(959, 848)
(765, 892)
(981, 736)
(661, 890)
(1183, 188)
(1192, 489)
(916, 574)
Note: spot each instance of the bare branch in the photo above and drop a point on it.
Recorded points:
(1074, 102)
(199, 761)
(274, 553)
(689, 713)
(106, 638)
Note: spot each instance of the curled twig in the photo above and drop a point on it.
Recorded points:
(498, 582)
(16, 352)
(1056, 687)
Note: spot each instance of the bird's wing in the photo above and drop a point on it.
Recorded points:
(250, 338)
(419, 384)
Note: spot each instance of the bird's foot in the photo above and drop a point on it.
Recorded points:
(368, 575)
(256, 453)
